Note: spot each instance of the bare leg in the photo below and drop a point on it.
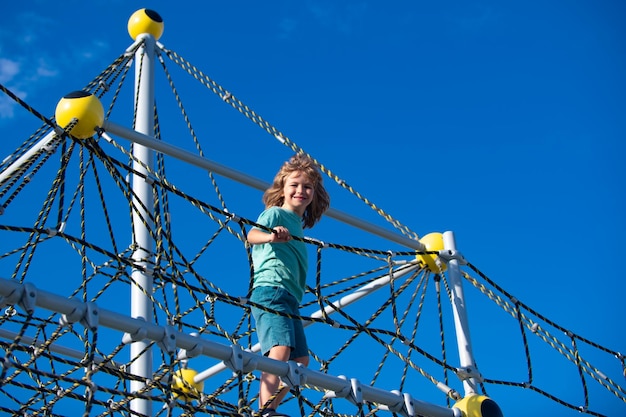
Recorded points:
(270, 383)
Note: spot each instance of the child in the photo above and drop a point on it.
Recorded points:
(296, 200)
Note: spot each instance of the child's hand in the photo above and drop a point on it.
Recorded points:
(280, 234)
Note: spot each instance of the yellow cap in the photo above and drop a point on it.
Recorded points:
(145, 21)
(184, 386)
(84, 107)
(478, 406)
(432, 242)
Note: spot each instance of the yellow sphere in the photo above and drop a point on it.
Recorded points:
(478, 406)
(432, 242)
(82, 106)
(184, 386)
(145, 21)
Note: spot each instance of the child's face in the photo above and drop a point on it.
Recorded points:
(298, 192)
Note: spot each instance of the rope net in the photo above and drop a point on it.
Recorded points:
(67, 227)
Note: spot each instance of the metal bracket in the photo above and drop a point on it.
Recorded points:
(447, 255)
(28, 300)
(14, 297)
(296, 376)
(352, 392)
(86, 313)
(404, 406)
(237, 360)
(140, 334)
(356, 394)
(467, 373)
(91, 318)
(73, 317)
(339, 394)
(168, 342)
(196, 350)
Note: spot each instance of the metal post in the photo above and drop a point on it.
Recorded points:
(459, 310)
(142, 211)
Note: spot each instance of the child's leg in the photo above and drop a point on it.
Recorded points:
(270, 383)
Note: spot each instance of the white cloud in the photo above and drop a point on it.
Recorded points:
(8, 105)
(8, 70)
(29, 64)
(44, 70)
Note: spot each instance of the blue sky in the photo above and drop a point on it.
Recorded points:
(501, 122)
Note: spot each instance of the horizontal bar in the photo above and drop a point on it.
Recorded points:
(204, 163)
(12, 291)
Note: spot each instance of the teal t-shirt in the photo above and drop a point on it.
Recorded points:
(281, 264)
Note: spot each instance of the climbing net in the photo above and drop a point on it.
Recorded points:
(67, 228)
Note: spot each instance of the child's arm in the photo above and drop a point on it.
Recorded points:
(279, 234)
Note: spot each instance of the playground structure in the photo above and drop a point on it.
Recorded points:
(183, 318)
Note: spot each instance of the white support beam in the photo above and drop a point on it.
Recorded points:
(12, 292)
(204, 163)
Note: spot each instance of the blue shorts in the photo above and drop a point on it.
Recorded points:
(278, 330)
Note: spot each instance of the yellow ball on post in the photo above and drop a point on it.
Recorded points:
(145, 21)
(84, 107)
(184, 386)
(432, 242)
(478, 406)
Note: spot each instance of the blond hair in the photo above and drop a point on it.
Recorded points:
(274, 196)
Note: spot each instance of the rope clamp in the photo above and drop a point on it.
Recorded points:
(317, 242)
(103, 85)
(232, 216)
(150, 179)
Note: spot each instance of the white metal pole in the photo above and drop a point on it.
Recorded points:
(142, 210)
(461, 324)
(28, 296)
(204, 163)
(43, 144)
